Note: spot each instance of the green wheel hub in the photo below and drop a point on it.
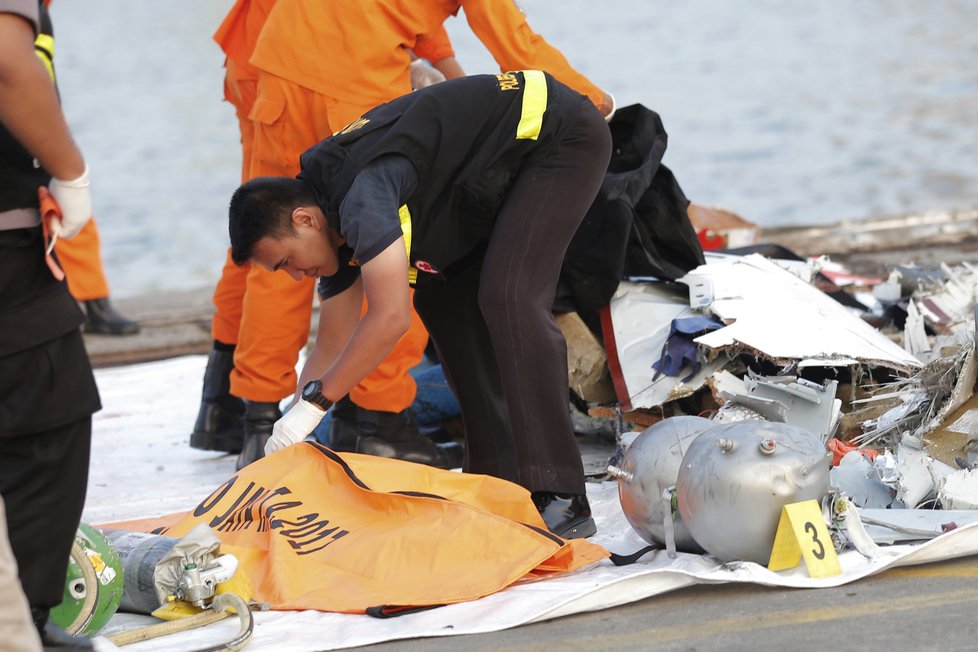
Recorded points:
(94, 586)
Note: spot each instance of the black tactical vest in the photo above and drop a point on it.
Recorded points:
(19, 175)
(467, 139)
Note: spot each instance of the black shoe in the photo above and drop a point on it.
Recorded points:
(220, 420)
(396, 435)
(55, 638)
(566, 515)
(103, 318)
(258, 421)
(343, 432)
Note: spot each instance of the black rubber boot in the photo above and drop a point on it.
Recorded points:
(220, 420)
(343, 431)
(258, 421)
(103, 318)
(396, 435)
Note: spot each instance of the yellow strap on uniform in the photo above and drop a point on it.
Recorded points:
(44, 48)
(534, 105)
(405, 216)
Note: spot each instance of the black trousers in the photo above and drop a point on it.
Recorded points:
(43, 479)
(493, 327)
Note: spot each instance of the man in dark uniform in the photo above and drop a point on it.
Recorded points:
(47, 391)
(471, 190)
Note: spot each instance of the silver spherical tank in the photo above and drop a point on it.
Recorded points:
(651, 465)
(735, 479)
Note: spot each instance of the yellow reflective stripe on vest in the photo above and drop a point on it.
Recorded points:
(44, 48)
(534, 104)
(405, 216)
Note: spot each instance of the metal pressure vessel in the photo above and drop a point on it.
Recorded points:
(651, 465)
(735, 479)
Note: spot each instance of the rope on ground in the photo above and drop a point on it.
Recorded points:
(221, 608)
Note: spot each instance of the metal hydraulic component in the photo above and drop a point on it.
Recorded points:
(161, 569)
(198, 585)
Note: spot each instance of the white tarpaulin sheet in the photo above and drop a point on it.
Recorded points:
(142, 466)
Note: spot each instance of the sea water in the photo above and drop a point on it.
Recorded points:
(785, 112)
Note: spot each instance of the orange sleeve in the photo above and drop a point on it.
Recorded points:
(239, 31)
(503, 29)
(434, 46)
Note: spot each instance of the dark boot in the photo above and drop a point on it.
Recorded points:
(103, 318)
(258, 421)
(396, 435)
(55, 638)
(343, 432)
(220, 421)
(566, 515)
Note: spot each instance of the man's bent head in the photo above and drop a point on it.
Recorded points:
(275, 222)
(262, 208)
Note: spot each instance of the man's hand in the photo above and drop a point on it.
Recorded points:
(294, 425)
(608, 106)
(423, 75)
(75, 201)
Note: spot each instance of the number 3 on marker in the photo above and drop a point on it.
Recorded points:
(820, 551)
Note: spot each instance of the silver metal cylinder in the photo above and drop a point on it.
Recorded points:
(649, 466)
(735, 479)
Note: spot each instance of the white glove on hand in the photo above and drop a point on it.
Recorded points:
(75, 200)
(294, 425)
(423, 74)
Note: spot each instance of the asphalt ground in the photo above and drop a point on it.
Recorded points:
(929, 607)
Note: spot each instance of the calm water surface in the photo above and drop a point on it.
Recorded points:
(788, 113)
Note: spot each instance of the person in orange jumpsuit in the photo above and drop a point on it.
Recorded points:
(220, 420)
(320, 66)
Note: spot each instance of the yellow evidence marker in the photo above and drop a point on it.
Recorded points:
(802, 533)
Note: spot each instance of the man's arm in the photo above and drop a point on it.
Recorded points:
(388, 317)
(436, 47)
(503, 29)
(338, 317)
(29, 105)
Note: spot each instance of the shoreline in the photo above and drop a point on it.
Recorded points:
(178, 322)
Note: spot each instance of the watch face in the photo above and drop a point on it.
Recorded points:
(312, 388)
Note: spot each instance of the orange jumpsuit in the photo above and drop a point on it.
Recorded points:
(322, 65)
(81, 259)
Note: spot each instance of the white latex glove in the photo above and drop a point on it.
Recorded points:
(75, 200)
(294, 425)
(423, 74)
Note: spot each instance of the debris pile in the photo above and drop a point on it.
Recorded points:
(881, 370)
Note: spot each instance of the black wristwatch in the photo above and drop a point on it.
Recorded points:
(313, 392)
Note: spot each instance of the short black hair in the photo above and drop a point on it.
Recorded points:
(263, 208)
